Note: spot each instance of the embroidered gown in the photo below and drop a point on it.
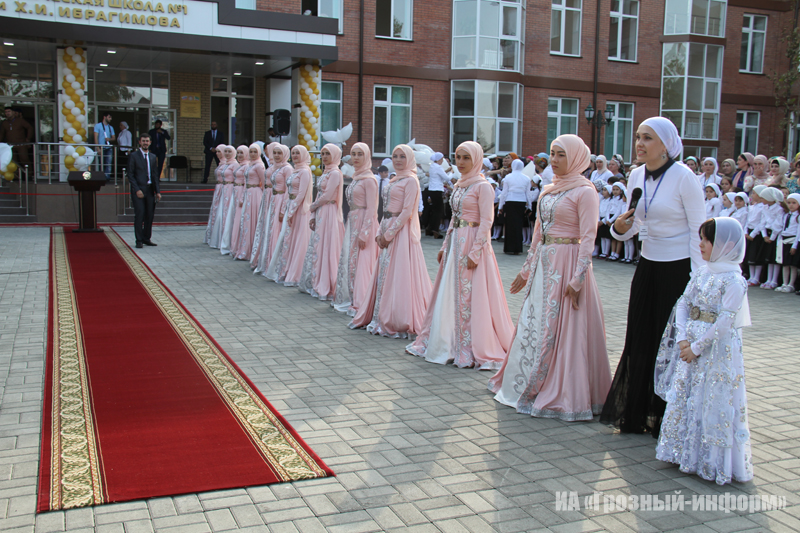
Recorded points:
(263, 214)
(239, 190)
(401, 286)
(286, 265)
(254, 179)
(224, 204)
(356, 266)
(468, 320)
(272, 227)
(212, 213)
(705, 428)
(558, 365)
(325, 243)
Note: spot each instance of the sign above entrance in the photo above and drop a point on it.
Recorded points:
(187, 17)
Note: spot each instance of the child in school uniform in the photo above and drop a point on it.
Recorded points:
(713, 202)
(772, 226)
(700, 367)
(755, 240)
(604, 224)
(788, 255)
(727, 204)
(617, 208)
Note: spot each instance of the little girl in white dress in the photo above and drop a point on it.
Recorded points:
(700, 370)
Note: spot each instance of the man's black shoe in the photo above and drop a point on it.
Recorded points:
(150, 243)
(139, 245)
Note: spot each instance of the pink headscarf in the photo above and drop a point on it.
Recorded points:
(365, 169)
(473, 175)
(303, 163)
(259, 161)
(336, 158)
(411, 163)
(230, 160)
(763, 159)
(270, 146)
(750, 161)
(284, 162)
(577, 161)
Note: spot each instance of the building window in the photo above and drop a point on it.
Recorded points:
(700, 17)
(619, 132)
(487, 112)
(690, 88)
(565, 27)
(624, 30)
(245, 4)
(393, 19)
(754, 32)
(488, 34)
(562, 117)
(699, 152)
(330, 106)
(747, 132)
(392, 118)
(322, 8)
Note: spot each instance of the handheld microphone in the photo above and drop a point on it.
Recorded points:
(636, 195)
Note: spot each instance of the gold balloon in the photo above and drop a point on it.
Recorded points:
(76, 72)
(318, 172)
(67, 139)
(316, 161)
(70, 64)
(66, 85)
(79, 50)
(66, 112)
(80, 150)
(316, 114)
(8, 176)
(75, 97)
(69, 161)
(75, 124)
(11, 167)
(82, 132)
(71, 92)
(80, 79)
(315, 137)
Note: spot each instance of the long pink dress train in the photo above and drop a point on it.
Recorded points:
(224, 204)
(252, 202)
(212, 213)
(356, 265)
(286, 265)
(325, 243)
(401, 286)
(239, 190)
(468, 320)
(263, 214)
(558, 365)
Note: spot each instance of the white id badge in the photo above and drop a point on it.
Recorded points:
(643, 232)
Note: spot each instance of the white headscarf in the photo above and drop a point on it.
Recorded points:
(716, 166)
(516, 168)
(668, 134)
(609, 189)
(731, 196)
(715, 187)
(771, 194)
(728, 253)
(794, 196)
(743, 196)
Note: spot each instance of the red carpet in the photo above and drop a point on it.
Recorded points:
(139, 400)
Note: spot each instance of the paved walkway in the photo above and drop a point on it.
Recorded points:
(416, 447)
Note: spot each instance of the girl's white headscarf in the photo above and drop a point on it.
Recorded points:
(728, 253)
(716, 189)
(668, 134)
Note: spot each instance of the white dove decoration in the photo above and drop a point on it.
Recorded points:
(339, 136)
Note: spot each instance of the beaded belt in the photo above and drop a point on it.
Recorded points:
(547, 239)
(220, 183)
(461, 223)
(357, 207)
(292, 196)
(387, 214)
(703, 316)
(278, 192)
(238, 184)
(250, 186)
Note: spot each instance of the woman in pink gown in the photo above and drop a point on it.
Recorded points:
(327, 229)
(359, 250)
(212, 213)
(254, 192)
(558, 366)
(286, 265)
(263, 207)
(281, 170)
(230, 165)
(239, 188)
(468, 320)
(401, 287)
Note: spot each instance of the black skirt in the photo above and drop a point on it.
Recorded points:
(632, 404)
(515, 216)
(788, 258)
(753, 249)
(604, 232)
(766, 252)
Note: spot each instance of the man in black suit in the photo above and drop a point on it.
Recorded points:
(145, 191)
(159, 137)
(211, 140)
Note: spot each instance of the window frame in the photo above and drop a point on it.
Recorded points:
(339, 102)
(614, 123)
(391, 16)
(559, 114)
(743, 127)
(563, 8)
(516, 121)
(388, 104)
(688, 14)
(519, 38)
(622, 16)
(749, 30)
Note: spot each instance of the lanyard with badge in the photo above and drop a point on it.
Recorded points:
(643, 231)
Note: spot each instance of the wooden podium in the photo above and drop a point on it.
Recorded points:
(87, 184)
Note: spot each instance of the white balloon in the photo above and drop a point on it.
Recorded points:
(303, 131)
(309, 114)
(76, 58)
(76, 85)
(313, 168)
(308, 68)
(69, 150)
(70, 78)
(304, 86)
(307, 137)
(80, 118)
(303, 108)
(75, 111)
(69, 51)
(313, 97)
(69, 104)
(81, 163)
(80, 92)
(66, 70)
(308, 91)
(71, 131)
(77, 138)
(80, 65)
(312, 119)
